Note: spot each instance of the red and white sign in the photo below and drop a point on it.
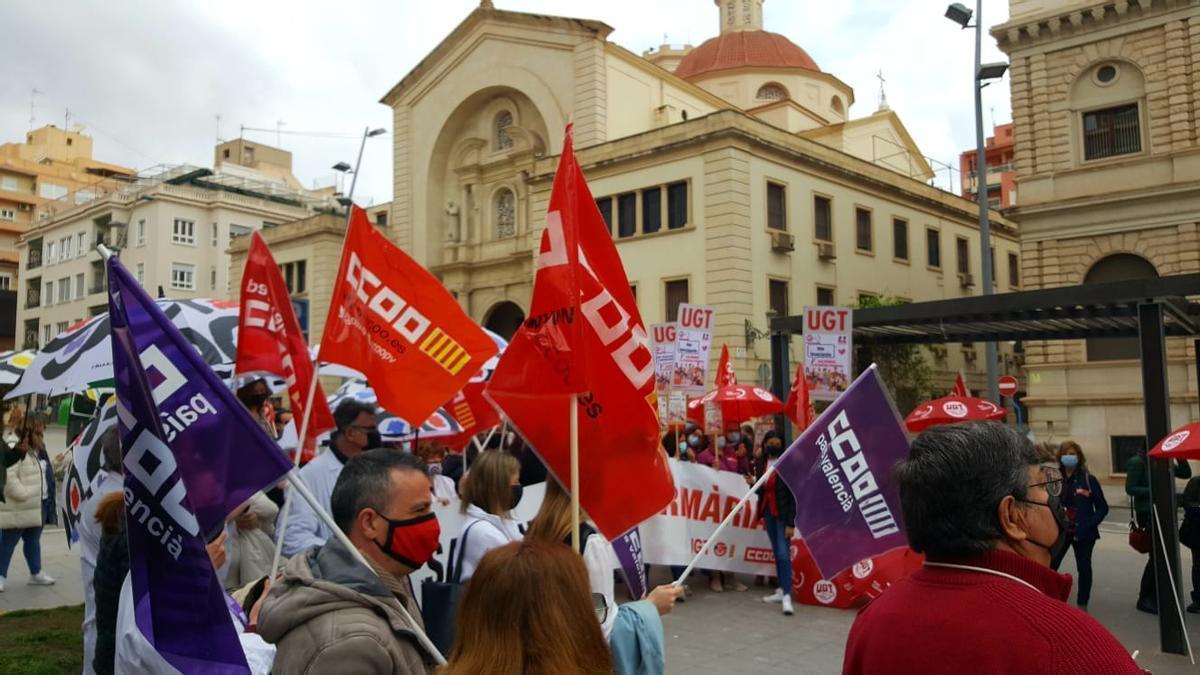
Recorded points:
(828, 350)
(1008, 386)
(693, 340)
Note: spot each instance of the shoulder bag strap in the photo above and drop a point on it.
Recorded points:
(456, 576)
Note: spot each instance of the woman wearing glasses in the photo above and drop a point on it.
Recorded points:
(1086, 508)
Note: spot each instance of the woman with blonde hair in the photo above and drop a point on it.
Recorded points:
(527, 610)
(490, 491)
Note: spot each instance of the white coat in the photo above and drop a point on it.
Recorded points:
(305, 530)
(492, 532)
(89, 545)
(24, 488)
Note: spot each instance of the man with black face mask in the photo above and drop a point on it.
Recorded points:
(356, 432)
(329, 614)
(987, 516)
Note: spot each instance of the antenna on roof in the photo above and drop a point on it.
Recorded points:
(32, 102)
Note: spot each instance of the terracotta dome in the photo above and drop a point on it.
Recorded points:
(742, 49)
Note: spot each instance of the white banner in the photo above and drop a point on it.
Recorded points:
(693, 341)
(828, 351)
(704, 496)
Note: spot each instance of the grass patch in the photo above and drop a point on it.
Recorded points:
(41, 642)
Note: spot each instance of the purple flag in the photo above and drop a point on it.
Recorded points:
(840, 471)
(628, 548)
(192, 454)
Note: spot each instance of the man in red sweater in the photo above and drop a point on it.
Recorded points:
(987, 517)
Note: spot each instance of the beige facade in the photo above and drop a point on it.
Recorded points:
(172, 231)
(708, 202)
(1105, 102)
(50, 164)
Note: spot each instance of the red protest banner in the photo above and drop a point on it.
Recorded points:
(270, 339)
(725, 374)
(393, 321)
(584, 338)
(799, 403)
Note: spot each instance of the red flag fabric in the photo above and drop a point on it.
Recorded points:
(394, 322)
(799, 405)
(960, 387)
(584, 336)
(725, 375)
(270, 339)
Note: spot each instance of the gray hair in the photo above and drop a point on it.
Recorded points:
(110, 450)
(953, 481)
(366, 481)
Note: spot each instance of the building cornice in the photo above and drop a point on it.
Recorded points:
(751, 132)
(1057, 24)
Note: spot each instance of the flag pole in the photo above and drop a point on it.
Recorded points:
(316, 366)
(300, 443)
(724, 523)
(299, 486)
(575, 471)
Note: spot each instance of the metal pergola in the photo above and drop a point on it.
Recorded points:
(1147, 309)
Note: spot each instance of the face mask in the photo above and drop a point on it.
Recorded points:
(733, 437)
(411, 542)
(1060, 519)
(774, 450)
(374, 440)
(694, 441)
(720, 443)
(1069, 461)
(517, 491)
(255, 401)
(683, 446)
(435, 469)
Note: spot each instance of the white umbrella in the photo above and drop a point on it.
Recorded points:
(82, 354)
(13, 365)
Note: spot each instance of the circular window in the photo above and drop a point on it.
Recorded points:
(1106, 74)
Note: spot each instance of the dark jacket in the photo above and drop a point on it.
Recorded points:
(784, 501)
(112, 564)
(1137, 485)
(1085, 504)
(49, 500)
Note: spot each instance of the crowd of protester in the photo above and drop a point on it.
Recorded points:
(994, 515)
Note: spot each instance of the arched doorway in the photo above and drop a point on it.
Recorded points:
(504, 318)
(1117, 267)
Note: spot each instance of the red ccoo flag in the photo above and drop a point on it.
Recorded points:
(725, 375)
(584, 336)
(270, 339)
(960, 387)
(394, 322)
(799, 405)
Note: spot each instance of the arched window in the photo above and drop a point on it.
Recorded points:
(1108, 100)
(506, 214)
(1117, 267)
(835, 104)
(771, 92)
(504, 120)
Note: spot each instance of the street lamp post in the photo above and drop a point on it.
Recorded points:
(984, 73)
(348, 200)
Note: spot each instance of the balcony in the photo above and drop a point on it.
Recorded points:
(33, 298)
(35, 255)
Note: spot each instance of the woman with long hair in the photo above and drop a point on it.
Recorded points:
(553, 525)
(21, 512)
(491, 489)
(528, 609)
(1086, 508)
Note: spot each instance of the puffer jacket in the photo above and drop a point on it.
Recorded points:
(329, 614)
(23, 491)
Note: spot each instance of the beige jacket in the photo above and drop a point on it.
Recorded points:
(23, 491)
(329, 614)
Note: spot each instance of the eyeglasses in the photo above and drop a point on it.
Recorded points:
(600, 604)
(1053, 482)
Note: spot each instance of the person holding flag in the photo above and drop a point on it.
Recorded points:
(191, 454)
(777, 510)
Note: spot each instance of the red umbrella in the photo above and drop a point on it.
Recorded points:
(1183, 443)
(739, 402)
(951, 410)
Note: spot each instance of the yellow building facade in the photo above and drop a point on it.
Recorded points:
(1105, 110)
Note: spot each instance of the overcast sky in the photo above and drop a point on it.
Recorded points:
(148, 78)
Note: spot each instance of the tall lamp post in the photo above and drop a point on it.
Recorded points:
(984, 74)
(348, 200)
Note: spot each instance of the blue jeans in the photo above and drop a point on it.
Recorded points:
(32, 537)
(777, 533)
